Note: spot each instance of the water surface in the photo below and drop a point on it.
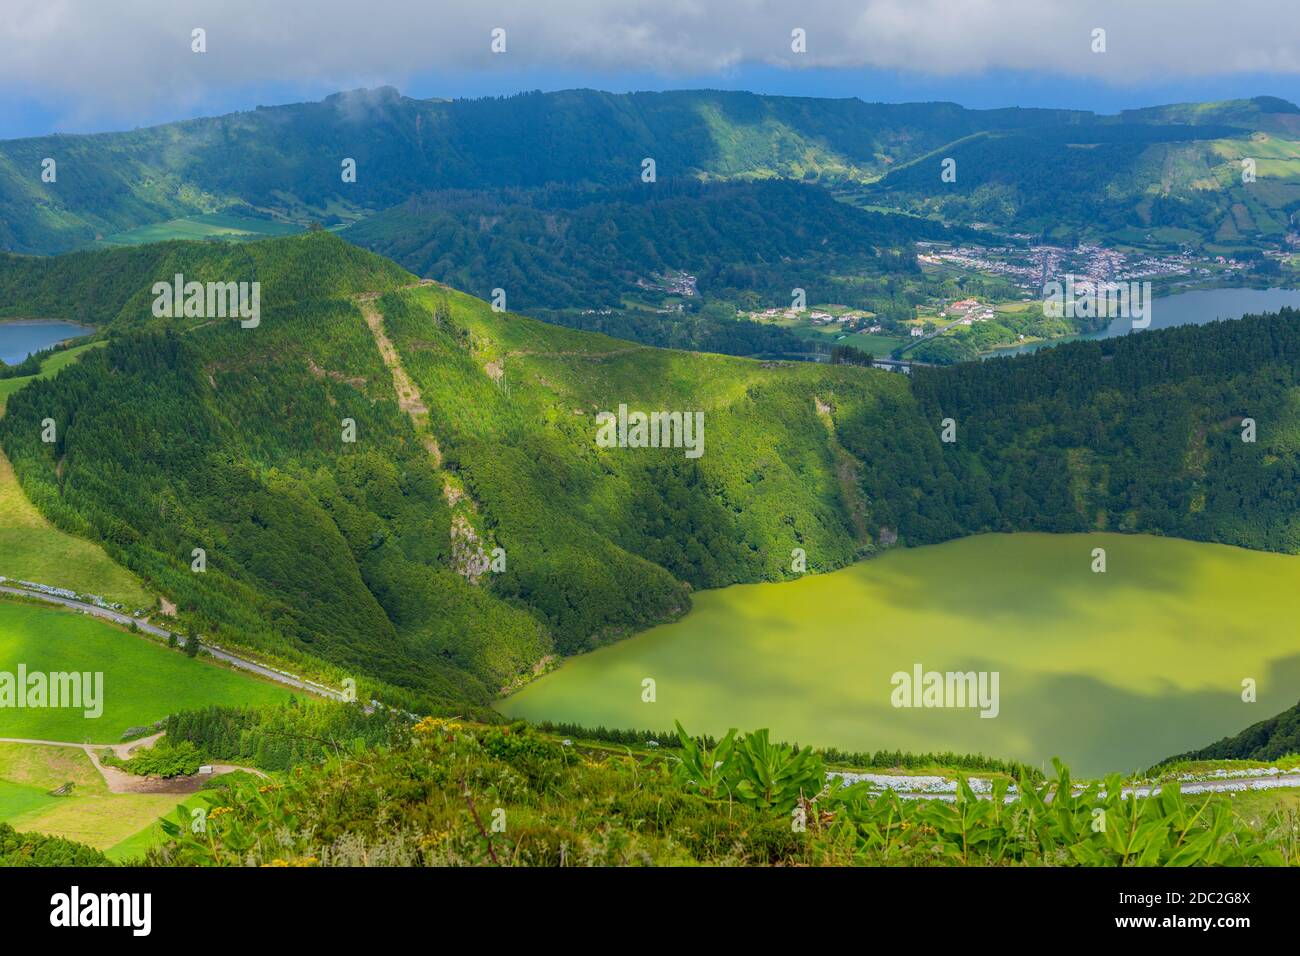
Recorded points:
(21, 338)
(1109, 671)
(1184, 308)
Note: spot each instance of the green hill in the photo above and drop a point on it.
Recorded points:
(1131, 179)
(197, 433)
(475, 527)
(285, 161)
(575, 256)
(1267, 740)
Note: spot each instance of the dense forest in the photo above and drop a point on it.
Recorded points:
(1137, 433)
(576, 257)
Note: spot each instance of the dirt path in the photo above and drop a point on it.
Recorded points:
(408, 396)
(119, 781)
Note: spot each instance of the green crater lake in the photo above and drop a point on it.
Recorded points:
(1110, 672)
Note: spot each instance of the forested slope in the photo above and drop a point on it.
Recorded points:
(1138, 433)
(286, 160)
(199, 433)
(1267, 740)
(373, 555)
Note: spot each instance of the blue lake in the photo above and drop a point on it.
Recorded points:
(20, 339)
(1186, 308)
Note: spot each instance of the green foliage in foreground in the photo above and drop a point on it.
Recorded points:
(865, 760)
(280, 738)
(452, 795)
(35, 849)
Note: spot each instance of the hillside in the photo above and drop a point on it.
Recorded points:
(1161, 177)
(285, 161)
(1267, 740)
(193, 433)
(578, 256)
(476, 431)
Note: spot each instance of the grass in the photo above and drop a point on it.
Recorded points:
(90, 814)
(143, 682)
(32, 549)
(151, 835)
(18, 800)
(224, 226)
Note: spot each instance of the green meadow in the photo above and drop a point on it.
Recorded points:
(1161, 641)
(124, 825)
(217, 225)
(143, 681)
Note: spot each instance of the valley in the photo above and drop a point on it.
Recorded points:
(401, 480)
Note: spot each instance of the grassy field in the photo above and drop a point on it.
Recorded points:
(32, 549)
(90, 814)
(877, 345)
(151, 834)
(216, 225)
(143, 682)
(1161, 641)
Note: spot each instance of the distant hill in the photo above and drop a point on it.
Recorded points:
(1266, 740)
(588, 248)
(1161, 177)
(571, 255)
(286, 160)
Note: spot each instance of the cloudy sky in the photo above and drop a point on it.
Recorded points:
(85, 65)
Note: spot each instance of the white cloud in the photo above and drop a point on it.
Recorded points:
(132, 57)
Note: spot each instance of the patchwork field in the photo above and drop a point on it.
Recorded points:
(143, 681)
(1162, 641)
(124, 824)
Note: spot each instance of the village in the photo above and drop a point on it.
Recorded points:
(1000, 308)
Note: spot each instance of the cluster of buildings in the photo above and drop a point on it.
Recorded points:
(1031, 267)
(968, 311)
(673, 283)
(854, 321)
